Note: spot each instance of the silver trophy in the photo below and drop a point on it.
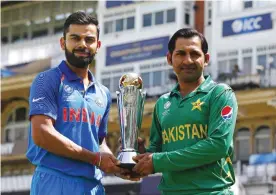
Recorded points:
(130, 101)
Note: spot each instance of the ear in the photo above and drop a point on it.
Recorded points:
(169, 58)
(98, 45)
(207, 59)
(62, 43)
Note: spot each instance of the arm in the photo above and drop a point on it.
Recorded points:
(43, 113)
(47, 137)
(155, 134)
(211, 149)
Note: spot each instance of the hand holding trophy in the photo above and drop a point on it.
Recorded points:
(130, 101)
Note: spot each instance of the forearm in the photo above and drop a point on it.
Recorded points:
(54, 142)
(202, 153)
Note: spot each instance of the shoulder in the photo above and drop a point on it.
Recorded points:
(102, 87)
(48, 78)
(163, 99)
(104, 91)
(220, 88)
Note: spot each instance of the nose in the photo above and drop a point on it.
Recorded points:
(82, 43)
(187, 59)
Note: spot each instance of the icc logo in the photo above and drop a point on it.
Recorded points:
(247, 24)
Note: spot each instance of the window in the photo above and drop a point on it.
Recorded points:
(40, 33)
(262, 140)
(247, 65)
(222, 67)
(20, 114)
(119, 25)
(261, 63)
(10, 119)
(147, 18)
(187, 12)
(242, 144)
(130, 23)
(58, 29)
(106, 82)
(170, 15)
(115, 84)
(108, 27)
(247, 4)
(168, 79)
(209, 16)
(17, 125)
(159, 18)
(187, 18)
(157, 76)
(232, 64)
(8, 137)
(272, 60)
(146, 79)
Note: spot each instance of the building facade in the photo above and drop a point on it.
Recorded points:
(134, 38)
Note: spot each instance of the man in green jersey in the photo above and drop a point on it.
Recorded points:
(191, 137)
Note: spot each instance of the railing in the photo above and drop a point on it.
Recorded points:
(30, 50)
(265, 79)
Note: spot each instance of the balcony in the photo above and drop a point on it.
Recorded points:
(265, 79)
(31, 50)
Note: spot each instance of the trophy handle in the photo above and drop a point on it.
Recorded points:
(141, 102)
(120, 115)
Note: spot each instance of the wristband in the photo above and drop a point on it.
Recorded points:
(97, 159)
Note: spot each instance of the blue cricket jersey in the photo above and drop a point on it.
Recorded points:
(80, 115)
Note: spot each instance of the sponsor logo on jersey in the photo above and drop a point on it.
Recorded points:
(99, 102)
(167, 105)
(37, 99)
(226, 112)
(68, 89)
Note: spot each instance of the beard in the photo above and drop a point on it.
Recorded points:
(79, 61)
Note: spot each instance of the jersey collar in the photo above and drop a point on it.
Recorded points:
(70, 75)
(204, 87)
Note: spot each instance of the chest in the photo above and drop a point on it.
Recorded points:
(78, 104)
(183, 121)
(176, 111)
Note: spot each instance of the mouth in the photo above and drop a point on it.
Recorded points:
(82, 54)
(188, 70)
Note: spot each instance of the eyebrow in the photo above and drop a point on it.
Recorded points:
(183, 51)
(76, 35)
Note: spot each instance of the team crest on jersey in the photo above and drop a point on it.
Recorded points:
(167, 105)
(68, 89)
(226, 112)
(99, 102)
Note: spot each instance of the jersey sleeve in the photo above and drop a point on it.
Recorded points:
(103, 126)
(222, 120)
(155, 133)
(43, 94)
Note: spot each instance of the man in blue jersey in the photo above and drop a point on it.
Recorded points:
(68, 114)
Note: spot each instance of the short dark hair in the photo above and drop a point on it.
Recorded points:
(187, 33)
(80, 17)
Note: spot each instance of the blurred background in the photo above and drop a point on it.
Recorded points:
(134, 34)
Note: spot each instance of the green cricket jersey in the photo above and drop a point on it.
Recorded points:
(192, 140)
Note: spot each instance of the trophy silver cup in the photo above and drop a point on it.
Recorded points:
(130, 101)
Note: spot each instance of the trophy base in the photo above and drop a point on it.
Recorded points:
(125, 157)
